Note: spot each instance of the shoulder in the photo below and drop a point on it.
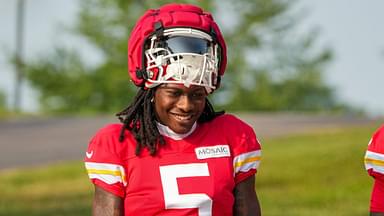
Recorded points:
(227, 117)
(376, 144)
(107, 135)
(107, 139)
(243, 143)
(379, 134)
(236, 132)
(231, 125)
(230, 120)
(109, 129)
(105, 159)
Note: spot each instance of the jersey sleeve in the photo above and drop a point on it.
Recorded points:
(374, 164)
(104, 162)
(374, 156)
(246, 150)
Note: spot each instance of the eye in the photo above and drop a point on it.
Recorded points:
(198, 95)
(174, 93)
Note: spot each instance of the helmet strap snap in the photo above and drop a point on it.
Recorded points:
(159, 29)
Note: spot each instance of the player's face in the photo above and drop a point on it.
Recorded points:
(179, 107)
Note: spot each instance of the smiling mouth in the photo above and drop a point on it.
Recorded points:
(182, 118)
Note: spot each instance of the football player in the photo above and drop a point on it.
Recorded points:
(173, 154)
(374, 163)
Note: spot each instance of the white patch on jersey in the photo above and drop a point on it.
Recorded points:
(212, 152)
(89, 154)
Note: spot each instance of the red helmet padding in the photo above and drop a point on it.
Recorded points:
(171, 16)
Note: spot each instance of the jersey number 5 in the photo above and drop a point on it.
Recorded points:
(172, 198)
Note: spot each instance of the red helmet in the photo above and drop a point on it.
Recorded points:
(177, 43)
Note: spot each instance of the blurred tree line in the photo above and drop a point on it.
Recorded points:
(2, 103)
(271, 67)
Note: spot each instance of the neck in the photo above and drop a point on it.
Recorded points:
(166, 131)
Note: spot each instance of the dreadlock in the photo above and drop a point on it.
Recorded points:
(139, 118)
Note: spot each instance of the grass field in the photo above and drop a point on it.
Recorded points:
(320, 173)
(315, 174)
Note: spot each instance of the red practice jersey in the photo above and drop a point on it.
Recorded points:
(374, 163)
(192, 175)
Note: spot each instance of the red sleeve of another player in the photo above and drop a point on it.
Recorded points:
(377, 197)
(374, 163)
(374, 156)
(246, 149)
(104, 163)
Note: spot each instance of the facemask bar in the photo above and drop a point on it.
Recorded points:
(186, 68)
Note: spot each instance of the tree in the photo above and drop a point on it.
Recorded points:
(273, 67)
(2, 103)
(268, 69)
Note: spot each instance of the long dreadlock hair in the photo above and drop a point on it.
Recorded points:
(139, 118)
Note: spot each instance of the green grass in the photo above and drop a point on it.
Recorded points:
(315, 174)
(321, 173)
(56, 190)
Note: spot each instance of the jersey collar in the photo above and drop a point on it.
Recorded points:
(166, 131)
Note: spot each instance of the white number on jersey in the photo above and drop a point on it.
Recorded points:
(172, 198)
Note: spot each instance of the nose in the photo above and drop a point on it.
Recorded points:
(185, 104)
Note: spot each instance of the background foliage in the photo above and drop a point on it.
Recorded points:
(271, 67)
(2, 103)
